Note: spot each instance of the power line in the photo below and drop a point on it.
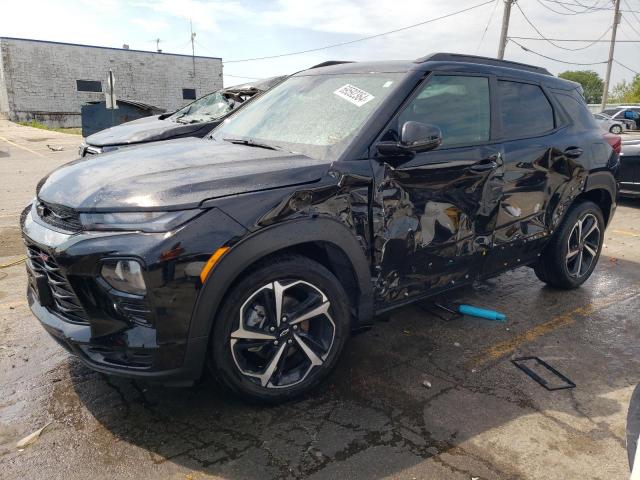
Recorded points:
(559, 2)
(630, 25)
(363, 38)
(573, 40)
(570, 12)
(632, 12)
(624, 66)
(555, 59)
(487, 27)
(554, 44)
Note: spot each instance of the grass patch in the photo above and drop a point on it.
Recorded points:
(42, 126)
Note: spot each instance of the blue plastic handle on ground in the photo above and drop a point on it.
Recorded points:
(482, 313)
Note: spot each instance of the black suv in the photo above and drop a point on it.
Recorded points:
(341, 193)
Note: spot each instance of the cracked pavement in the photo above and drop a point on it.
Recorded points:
(373, 418)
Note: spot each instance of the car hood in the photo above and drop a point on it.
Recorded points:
(146, 129)
(173, 175)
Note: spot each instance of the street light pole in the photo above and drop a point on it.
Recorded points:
(612, 45)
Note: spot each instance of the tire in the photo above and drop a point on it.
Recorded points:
(617, 129)
(263, 359)
(565, 262)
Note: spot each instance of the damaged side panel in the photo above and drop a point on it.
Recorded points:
(433, 220)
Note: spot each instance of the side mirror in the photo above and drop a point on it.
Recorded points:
(420, 137)
(415, 137)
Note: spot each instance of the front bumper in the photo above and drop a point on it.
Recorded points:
(107, 338)
(77, 340)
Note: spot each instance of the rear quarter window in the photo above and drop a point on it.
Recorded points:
(525, 110)
(576, 110)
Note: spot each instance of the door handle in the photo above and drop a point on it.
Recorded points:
(573, 152)
(489, 163)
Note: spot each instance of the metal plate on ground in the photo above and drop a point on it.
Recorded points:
(543, 373)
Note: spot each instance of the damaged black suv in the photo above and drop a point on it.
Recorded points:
(341, 193)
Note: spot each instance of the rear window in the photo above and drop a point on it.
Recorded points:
(576, 110)
(525, 110)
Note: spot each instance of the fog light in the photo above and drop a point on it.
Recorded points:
(124, 275)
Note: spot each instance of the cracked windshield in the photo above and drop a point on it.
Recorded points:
(209, 107)
(313, 115)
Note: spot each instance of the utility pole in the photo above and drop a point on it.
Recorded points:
(612, 45)
(193, 48)
(506, 15)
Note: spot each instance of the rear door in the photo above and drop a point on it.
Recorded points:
(538, 145)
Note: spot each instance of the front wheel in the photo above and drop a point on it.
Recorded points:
(617, 129)
(280, 330)
(570, 257)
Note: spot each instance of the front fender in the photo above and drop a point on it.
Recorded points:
(270, 240)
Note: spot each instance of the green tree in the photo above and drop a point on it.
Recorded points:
(626, 92)
(591, 83)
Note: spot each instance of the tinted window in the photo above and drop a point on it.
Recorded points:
(577, 110)
(526, 112)
(458, 105)
(89, 85)
(189, 93)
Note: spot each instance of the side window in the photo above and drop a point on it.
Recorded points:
(525, 110)
(458, 105)
(577, 110)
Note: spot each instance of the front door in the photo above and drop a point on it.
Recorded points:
(434, 213)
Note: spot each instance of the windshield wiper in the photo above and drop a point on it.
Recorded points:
(250, 143)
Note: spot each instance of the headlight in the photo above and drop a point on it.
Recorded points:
(142, 221)
(124, 275)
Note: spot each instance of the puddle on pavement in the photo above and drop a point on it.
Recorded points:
(11, 242)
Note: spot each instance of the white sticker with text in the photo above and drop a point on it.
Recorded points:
(355, 95)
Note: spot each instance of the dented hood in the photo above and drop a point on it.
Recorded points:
(146, 129)
(173, 175)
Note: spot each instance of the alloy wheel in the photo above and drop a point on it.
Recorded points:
(285, 330)
(617, 129)
(582, 246)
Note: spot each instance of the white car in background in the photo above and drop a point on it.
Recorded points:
(608, 124)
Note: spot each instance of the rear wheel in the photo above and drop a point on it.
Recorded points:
(617, 129)
(280, 330)
(570, 257)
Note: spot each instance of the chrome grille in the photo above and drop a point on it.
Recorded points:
(65, 300)
(59, 216)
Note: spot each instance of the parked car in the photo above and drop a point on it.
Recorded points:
(194, 120)
(608, 124)
(629, 175)
(341, 193)
(628, 114)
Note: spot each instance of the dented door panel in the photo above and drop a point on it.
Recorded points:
(539, 184)
(433, 219)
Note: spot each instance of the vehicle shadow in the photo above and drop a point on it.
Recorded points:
(375, 416)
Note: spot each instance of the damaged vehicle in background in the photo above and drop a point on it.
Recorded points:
(193, 120)
(340, 194)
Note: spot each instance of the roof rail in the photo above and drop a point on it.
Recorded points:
(456, 57)
(329, 63)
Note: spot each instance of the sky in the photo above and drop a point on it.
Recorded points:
(239, 29)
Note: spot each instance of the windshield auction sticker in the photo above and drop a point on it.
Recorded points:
(354, 95)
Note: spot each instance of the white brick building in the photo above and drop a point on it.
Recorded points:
(49, 81)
